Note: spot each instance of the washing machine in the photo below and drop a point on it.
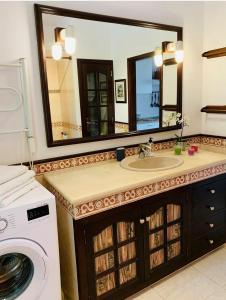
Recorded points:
(29, 256)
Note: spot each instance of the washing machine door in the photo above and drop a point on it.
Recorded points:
(23, 269)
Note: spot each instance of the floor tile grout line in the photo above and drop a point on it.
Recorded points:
(207, 277)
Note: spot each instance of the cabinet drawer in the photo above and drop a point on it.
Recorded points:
(208, 225)
(208, 242)
(209, 192)
(207, 207)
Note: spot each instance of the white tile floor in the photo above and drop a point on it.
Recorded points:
(204, 279)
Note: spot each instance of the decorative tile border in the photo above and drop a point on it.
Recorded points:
(122, 198)
(108, 155)
(213, 141)
(122, 126)
(79, 161)
(73, 162)
(67, 125)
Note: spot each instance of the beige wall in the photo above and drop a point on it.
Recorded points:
(214, 71)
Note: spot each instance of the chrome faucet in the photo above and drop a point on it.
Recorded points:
(145, 150)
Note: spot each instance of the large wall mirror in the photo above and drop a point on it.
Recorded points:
(99, 76)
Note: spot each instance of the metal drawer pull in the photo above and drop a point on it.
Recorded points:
(212, 191)
(212, 208)
(211, 242)
(142, 221)
(148, 219)
(211, 225)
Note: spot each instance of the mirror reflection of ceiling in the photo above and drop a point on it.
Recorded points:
(111, 42)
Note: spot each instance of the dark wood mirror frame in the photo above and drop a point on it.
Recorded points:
(39, 10)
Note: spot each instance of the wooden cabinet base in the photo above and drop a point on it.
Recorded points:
(123, 250)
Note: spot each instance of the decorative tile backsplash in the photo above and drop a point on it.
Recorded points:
(65, 163)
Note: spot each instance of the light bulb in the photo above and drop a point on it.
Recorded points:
(63, 34)
(56, 51)
(179, 53)
(69, 45)
(158, 57)
(179, 56)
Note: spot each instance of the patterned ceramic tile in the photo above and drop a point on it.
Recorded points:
(108, 155)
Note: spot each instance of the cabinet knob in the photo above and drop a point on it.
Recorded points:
(212, 208)
(212, 191)
(211, 242)
(211, 225)
(142, 221)
(148, 219)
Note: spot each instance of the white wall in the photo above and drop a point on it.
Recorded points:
(18, 39)
(214, 70)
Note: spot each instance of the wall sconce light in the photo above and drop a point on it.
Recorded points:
(158, 59)
(69, 45)
(56, 51)
(64, 39)
(179, 52)
(176, 48)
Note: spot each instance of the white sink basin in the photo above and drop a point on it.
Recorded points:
(154, 163)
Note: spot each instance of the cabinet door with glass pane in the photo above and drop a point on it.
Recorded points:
(164, 234)
(115, 254)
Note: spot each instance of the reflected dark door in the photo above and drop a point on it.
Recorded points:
(96, 97)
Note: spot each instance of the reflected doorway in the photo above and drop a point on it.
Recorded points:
(145, 92)
(96, 96)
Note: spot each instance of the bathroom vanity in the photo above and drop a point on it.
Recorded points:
(152, 224)
(130, 247)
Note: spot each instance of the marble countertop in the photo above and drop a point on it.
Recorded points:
(85, 183)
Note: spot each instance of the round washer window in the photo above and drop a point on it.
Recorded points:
(16, 272)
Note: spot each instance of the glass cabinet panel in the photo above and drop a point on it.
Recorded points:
(173, 232)
(156, 219)
(126, 252)
(173, 212)
(125, 231)
(156, 239)
(156, 258)
(103, 240)
(115, 256)
(104, 262)
(174, 250)
(127, 273)
(105, 284)
(165, 232)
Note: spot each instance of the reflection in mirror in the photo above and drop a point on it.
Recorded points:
(102, 79)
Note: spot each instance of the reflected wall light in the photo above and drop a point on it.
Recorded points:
(56, 51)
(64, 40)
(175, 48)
(69, 45)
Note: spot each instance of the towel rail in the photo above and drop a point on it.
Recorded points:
(19, 101)
(23, 100)
(10, 65)
(13, 131)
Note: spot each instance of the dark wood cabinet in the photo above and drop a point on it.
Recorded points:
(125, 249)
(208, 216)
